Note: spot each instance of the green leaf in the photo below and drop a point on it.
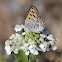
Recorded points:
(21, 57)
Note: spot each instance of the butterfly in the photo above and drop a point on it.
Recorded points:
(34, 22)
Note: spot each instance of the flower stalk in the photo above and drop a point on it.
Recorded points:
(38, 57)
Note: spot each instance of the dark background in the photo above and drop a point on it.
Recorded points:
(14, 12)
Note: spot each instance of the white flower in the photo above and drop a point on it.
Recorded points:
(27, 53)
(7, 42)
(41, 46)
(33, 51)
(31, 42)
(23, 33)
(16, 51)
(26, 44)
(12, 36)
(39, 49)
(17, 37)
(43, 49)
(55, 40)
(46, 44)
(24, 47)
(32, 47)
(54, 48)
(11, 41)
(51, 42)
(19, 27)
(8, 51)
(42, 35)
(50, 37)
(12, 48)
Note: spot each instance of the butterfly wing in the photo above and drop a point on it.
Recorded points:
(33, 21)
(35, 25)
(33, 12)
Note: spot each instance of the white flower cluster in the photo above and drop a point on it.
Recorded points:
(29, 42)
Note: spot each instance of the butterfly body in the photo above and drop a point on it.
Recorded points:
(33, 21)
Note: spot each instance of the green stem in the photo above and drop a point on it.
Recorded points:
(15, 57)
(38, 58)
(30, 58)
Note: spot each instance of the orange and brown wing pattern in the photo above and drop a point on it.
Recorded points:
(33, 12)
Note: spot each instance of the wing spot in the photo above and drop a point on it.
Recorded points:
(34, 27)
(38, 24)
(31, 27)
(34, 15)
(31, 14)
(32, 8)
(32, 11)
(29, 18)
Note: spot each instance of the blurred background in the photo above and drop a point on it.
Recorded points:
(14, 12)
